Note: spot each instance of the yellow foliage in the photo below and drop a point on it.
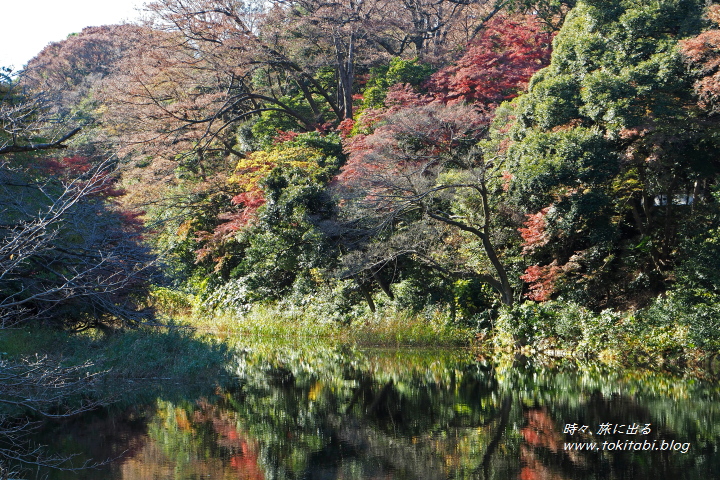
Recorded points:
(251, 170)
(182, 420)
(315, 391)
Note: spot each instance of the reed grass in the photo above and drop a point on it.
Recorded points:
(386, 328)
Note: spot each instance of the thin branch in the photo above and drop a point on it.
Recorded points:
(59, 144)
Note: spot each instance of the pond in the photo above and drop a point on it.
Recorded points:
(339, 412)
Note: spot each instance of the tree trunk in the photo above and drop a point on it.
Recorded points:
(346, 73)
(366, 294)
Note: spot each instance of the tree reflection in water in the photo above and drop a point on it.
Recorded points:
(313, 412)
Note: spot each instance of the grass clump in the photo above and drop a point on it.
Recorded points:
(262, 321)
(387, 327)
(396, 328)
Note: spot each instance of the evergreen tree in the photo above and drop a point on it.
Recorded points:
(606, 152)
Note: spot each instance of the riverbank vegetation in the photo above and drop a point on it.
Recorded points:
(239, 159)
(518, 175)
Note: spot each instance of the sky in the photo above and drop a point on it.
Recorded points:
(27, 26)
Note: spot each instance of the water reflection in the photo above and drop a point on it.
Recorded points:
(314, 412)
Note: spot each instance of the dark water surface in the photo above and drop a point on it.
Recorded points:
(318, 412)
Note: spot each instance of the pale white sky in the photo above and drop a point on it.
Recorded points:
(27, 26)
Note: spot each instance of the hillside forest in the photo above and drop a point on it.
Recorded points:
(529, 170)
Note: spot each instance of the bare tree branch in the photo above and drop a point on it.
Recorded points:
(56, 145)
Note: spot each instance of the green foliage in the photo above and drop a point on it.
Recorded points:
(273, 121)
(613, 65)
(474, 301)
(395, 72)
(177, 235)
(552, 101)
(694, 300)
(547, 162)
(285, 244)
(420, 290)
(259, 238)
(652, 336)
(604, 134)
(329, 145)
(269, 247)
(526, 323)
(269, 123)
(698, 273)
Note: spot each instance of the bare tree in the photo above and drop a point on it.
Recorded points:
(206, 66)
(23, 118)
(63, 253)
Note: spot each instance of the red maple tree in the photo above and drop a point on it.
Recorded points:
(498, 64)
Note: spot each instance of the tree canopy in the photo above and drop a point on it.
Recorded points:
(435, 152)
(607, 152)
